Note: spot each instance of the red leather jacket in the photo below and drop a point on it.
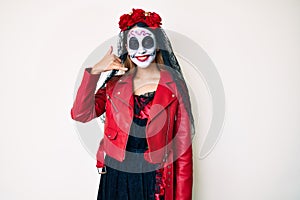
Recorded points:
(167, 128)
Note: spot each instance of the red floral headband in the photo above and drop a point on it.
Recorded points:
(152, 19)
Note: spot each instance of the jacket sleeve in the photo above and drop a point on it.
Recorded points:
(184, 154)
(88, 104)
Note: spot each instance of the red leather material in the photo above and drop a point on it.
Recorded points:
(168, 123)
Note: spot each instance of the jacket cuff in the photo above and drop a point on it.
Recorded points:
(89, 81)
(91, 77)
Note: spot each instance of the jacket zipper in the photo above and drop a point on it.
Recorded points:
(166, 149)
(113, 104)
(127, 138)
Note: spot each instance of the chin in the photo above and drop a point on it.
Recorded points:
(144, 64)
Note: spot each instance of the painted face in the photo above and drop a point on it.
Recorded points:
(141, 46)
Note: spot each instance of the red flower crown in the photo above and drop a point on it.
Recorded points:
(152, 19)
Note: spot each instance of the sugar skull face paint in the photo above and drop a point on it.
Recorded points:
(141, 46)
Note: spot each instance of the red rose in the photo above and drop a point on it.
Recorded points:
(153, 20)
(138, 15)
(123, 23)
(156, 18)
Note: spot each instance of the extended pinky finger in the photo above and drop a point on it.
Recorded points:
(119, 66)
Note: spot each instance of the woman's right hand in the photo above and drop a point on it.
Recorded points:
(108, 62)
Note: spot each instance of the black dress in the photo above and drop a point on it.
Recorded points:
(134, 178)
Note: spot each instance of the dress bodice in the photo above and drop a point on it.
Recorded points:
(142, 104)
(137, 138)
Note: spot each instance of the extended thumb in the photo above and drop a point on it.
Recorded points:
(110, 50)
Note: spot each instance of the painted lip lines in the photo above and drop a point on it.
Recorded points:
(142, 58)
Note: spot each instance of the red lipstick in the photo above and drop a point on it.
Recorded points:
(142, 58)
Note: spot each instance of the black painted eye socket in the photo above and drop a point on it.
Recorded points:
(133, 43)
(148, 42)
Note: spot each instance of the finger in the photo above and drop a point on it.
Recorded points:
(114, 58)
(124, 68)
(121, 68)
(118, 66)
(110, 50)
(117, 63)
(113, 64)
(117, 58)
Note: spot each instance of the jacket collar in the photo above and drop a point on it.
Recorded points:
(164, 95)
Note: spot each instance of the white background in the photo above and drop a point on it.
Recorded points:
(254, 45)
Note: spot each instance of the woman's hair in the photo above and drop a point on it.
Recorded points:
(164, 57)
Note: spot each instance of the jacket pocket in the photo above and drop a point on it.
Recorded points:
(111, 133)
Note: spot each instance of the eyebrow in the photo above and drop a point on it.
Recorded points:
(133, 33)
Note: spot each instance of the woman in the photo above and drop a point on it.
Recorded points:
(149, 125)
